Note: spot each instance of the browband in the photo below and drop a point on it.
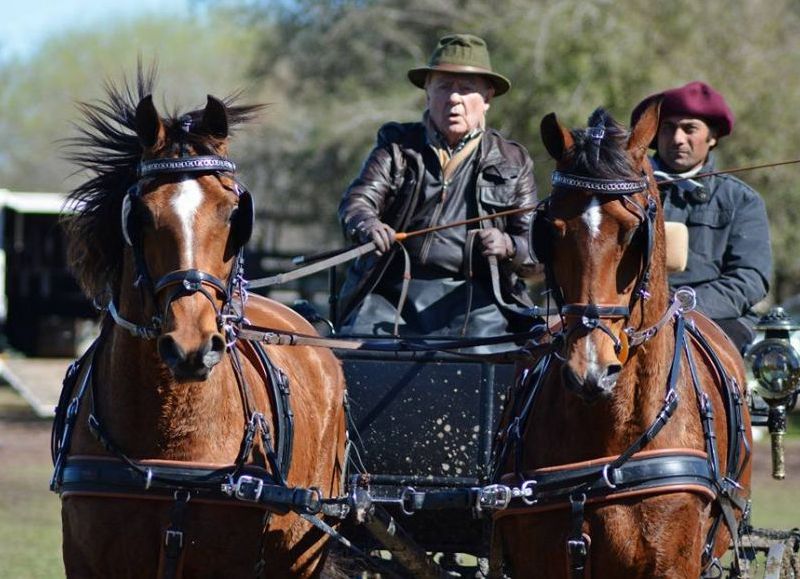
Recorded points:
(560, 179)
(186, 164)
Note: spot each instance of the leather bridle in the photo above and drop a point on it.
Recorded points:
(591, 316)
(185, 282)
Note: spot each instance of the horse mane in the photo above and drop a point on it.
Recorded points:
(108, 147)
(605, 158)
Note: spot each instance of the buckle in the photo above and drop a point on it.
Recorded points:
(494, 497)
(528, 492)
(170, 535)
(246, 488)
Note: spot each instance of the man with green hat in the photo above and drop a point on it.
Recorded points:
(464, 281)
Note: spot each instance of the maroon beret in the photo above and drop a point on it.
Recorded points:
(695, 99)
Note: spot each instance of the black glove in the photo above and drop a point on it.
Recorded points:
(380, 233)
(497, 243)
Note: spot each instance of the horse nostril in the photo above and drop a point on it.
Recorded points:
(215, 348)
(170, 351)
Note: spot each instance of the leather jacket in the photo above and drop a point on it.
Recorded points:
(394, 184)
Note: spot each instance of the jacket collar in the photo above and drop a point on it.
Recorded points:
(687, 186)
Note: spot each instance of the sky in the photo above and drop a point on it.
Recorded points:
(25, 24)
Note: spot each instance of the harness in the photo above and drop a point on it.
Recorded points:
(636, 471)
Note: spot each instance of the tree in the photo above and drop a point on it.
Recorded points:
(341, 64)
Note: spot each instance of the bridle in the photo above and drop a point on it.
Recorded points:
(591, 316)
(184, 282)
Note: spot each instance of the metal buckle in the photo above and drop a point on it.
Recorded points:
(407, 498)
(169, 535)
(608, 475)
(494, 497)
(246, 488)
(528, 490)
(314, 505)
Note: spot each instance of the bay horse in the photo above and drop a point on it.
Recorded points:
(624, 448)
(180, 450)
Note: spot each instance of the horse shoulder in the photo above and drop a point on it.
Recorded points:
(309, 369)
(261, 311)
(723, 346)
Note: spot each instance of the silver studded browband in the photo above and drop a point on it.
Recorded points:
(560, 179)
(186, 164)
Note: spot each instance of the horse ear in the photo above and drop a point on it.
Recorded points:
(644, 131)
(215, 118)
(556, 138)
(149, 127)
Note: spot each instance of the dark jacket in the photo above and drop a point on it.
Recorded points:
(730, 259)
(390, 189)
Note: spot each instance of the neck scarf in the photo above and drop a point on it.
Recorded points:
(450, 157)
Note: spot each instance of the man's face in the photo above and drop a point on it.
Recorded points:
(684, 142)
(457, 103)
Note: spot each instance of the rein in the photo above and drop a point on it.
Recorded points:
(329, 259)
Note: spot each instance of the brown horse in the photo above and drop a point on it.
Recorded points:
(624, 450)
(183, 454)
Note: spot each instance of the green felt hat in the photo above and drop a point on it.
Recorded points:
(461, 54)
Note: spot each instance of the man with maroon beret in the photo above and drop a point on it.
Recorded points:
(730, 258)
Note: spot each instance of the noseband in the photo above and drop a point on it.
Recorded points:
(185, 282)
(590, 316)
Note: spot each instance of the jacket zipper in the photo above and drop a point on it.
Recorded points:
(426, 245)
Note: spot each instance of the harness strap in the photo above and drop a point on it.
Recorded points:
(247, 486)
(279, 395)
(67, 411)
(469, 275)
(170, 561)
(578, 542)
(552, 487)
(401, 302)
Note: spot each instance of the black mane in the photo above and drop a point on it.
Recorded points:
(108, 147)
(606, 158)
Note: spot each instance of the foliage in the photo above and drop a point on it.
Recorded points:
(335, 70)
(341, 64)
(196, 55)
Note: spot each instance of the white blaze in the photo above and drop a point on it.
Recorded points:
(592, 216)
(185, 204)
(592, 367)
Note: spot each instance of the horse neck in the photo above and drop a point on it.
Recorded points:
(639, 393)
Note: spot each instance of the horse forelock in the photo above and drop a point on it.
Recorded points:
(606, 156)
(108, 147)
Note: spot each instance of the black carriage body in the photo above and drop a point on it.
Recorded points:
(425, 422)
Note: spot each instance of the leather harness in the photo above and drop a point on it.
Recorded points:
(636, 471)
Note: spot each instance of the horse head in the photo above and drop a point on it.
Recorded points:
(186, 220)
(598, 237)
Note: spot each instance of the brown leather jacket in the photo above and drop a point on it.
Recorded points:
(390, 186)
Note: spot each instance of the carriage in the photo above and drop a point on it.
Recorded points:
(218, 428)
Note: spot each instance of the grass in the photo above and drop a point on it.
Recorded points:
(30, 520)
(30, 524)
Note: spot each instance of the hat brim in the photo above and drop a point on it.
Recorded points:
(501, 84)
